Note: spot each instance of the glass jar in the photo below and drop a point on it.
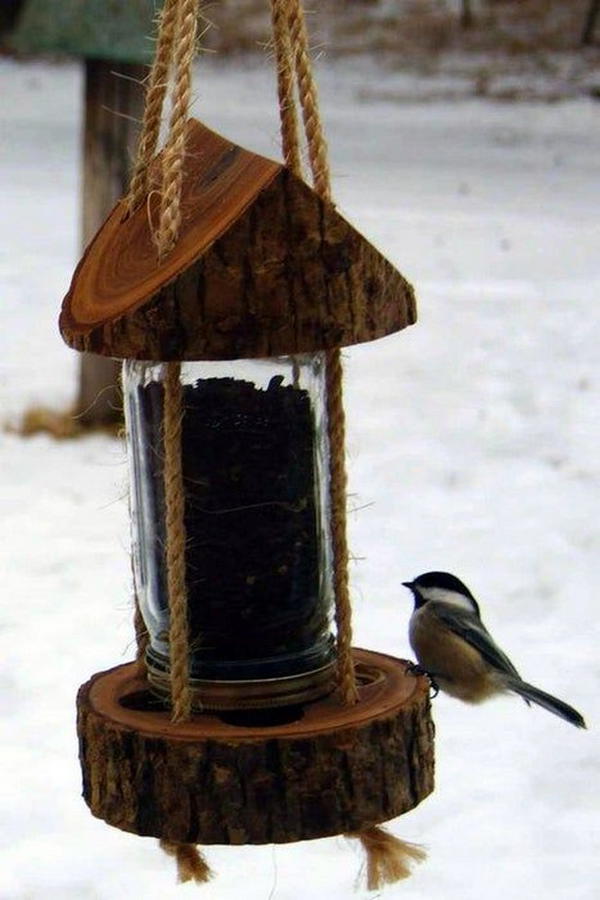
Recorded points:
(258, 554)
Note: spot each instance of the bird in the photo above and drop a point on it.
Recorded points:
(455, 649)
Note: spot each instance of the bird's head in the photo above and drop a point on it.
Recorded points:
(443, 588)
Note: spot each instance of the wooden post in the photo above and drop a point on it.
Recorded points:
(466, 14)
(114, 103)
(9, 11)
(587, 36)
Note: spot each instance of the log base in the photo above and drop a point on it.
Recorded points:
(311, 771)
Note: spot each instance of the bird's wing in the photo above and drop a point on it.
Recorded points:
(472, 630)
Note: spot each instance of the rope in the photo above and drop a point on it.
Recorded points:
(388, 858)
(336, 426)
(176, 540)
(172, 173)
(290, 142)
(175, 52)
(288, 16)
(183, 46)
(191, 864)
(309, 101)
(155, 98)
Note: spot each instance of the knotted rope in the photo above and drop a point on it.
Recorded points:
(294, 69)
(172, 65)
(173, 59)
(191, 864)
(156, 92)
(290, 143)
(388, 858)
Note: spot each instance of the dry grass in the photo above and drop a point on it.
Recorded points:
(59, 425)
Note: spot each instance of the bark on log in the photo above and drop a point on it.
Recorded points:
(336, 769)
(263, 267)
(113, 108)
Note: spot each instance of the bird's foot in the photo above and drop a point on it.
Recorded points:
(417, 670)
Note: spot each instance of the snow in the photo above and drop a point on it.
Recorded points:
(472, 447)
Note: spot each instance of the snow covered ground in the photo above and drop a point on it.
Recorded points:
(473, 447)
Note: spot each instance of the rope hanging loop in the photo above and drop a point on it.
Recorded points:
(175, 51)
(174, 56)
(294, 69)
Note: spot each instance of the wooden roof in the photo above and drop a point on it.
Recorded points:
(262, 267)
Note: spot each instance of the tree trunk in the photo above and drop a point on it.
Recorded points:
(587, 35)
(114, 103)
(9, 11)
(466, 14)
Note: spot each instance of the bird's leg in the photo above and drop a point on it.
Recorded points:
(417, 670)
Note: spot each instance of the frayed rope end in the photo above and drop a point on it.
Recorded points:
(388, 858)
(191, 864)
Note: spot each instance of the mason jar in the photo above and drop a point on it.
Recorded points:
(258, 550)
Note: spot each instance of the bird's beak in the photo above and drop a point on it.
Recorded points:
(408, 584)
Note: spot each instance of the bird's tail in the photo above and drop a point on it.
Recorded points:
(552, 704)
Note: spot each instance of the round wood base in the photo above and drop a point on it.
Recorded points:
(261, 776)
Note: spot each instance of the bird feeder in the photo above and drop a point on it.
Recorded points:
(264, 278)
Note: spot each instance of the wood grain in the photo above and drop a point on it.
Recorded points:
(336, 769)
(263, 267)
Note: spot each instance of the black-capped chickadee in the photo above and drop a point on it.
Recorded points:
(456, 650)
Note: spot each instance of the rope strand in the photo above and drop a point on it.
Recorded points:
(155, 97)
(191, 864)
(319, 164)
(290, 140)
(173, 154)
(176, 541)
(176, 46)
(338, 480)
(309, 101)
(168, 231)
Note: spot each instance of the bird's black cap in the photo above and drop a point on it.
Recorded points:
(443, 580)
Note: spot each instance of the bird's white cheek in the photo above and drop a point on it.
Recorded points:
(453, 598)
